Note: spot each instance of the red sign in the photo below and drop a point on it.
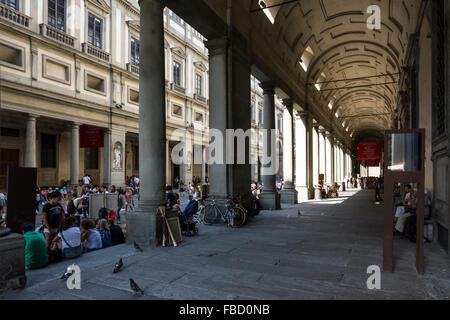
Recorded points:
(371, 163)
(370, 150)
(91, 137)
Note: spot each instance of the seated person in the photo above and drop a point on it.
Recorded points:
(36, 253)
(90, 236)
(410, 222)
(117, 236)
(409, 209)
(402, 204)
(69, 237)
(105, 234)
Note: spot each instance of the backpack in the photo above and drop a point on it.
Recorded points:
(71, 208)
(103, 213)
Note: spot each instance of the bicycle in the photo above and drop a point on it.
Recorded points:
(235, 215)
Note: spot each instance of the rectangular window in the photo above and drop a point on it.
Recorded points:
(135, 157)
(95, 31)
(95, 83)
(177, 73)
(199, 117)
(57, 14)
(134, 96)
(10, 56)
(13, 4)
(260, 116)
(91, 158)
(135, 47)
(48, 151)
(252, 111)
(198, 84)
(177, 110)
(10, 132)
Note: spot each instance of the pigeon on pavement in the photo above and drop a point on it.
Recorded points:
(118, 266)
(135, 287)
(137, 247)
(67, 274)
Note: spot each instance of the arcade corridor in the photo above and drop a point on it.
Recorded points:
(322, 254)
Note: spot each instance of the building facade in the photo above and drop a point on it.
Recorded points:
(69, 72)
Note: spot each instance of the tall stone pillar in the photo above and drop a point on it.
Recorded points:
(316, 154)
(75, 155)
(107, 151)
(310, 155)
(167, 165)
(141, 225)
(329, 159)
(268, 197)
(322, 154)
(30, 142)
(301, 156)
(203, 164)
(229, 92)
(289, 194)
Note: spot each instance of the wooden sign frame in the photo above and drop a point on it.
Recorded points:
(391, 177)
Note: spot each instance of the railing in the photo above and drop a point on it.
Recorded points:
(96, 52)
(14, 15)
(56, 34)
(200, 98)
(176, 87)
(133, 68)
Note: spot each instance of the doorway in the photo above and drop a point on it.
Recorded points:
(9, 158)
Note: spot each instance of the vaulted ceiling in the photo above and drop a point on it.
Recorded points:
(344, 48)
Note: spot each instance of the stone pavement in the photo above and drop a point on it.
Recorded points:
(321, 254)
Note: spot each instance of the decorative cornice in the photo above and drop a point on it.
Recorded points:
(130, 7)
(100, 4)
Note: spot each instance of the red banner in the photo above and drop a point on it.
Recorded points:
(371, 163)
(370, 150)
(91, 137)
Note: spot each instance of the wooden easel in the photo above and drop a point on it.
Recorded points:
(171, 239)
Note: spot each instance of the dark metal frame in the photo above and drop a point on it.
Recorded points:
(391, 177)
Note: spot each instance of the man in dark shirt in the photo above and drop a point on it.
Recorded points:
(117, 236)
(52, 216)
(171, 197)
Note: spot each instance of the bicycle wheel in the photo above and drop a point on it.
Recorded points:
(239, 216)
(209, 214)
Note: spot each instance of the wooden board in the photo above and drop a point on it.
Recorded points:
(174, 225)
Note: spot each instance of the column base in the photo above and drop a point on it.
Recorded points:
(12, 263)
(317, 193)
(142, 227)
(269, 200)
(289, 196)
(302, 194)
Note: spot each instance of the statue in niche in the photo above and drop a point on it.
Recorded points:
(117, 158)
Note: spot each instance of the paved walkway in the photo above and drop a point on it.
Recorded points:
(321, 254)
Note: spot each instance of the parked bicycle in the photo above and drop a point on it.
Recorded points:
(235, 215)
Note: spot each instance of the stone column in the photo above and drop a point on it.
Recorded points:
(323, 154)
(301, 156)
(30, 142)
(316, 154)
(107, 151)
(167, 164)
(289, 194)
(268, 197)
(203, 164)
(229, 92)
(329, 159)
(75, 155)
(141, 225)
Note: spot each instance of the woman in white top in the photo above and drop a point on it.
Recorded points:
(70, 235)
(91, 237)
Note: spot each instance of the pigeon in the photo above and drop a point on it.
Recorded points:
(135, 287)
(136, 246)
(299, 213)
(67, 274)
(118, 266)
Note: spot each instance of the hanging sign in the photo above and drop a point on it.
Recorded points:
(370, 150)
(91, 137)
(371, 163)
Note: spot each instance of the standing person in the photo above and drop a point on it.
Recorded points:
(171, 197)
(87, 180)
(36, 253)
(128, 199)
(377, 190)
(120, 203)
(53, 215)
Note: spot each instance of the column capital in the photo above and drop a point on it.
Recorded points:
(289, 102)
(217, 46)
(31, 116)
(268, 87)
